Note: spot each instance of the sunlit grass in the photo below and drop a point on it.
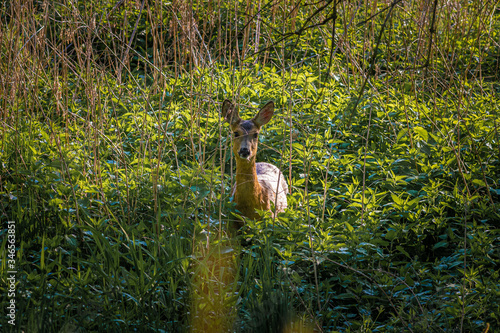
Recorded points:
(117, 168)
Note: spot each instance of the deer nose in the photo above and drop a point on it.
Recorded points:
(244, 152)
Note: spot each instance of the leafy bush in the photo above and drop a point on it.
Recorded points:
(117, 172)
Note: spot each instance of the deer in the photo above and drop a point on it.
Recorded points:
(257, 185)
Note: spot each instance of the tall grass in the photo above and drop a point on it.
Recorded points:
(117, 170)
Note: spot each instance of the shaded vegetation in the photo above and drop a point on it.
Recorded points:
(117, 172)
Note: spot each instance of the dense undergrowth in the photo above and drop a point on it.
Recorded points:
(117, 173)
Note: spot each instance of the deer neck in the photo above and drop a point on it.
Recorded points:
(248, 194)
(246, 177)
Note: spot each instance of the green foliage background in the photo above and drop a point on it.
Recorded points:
(117, 169)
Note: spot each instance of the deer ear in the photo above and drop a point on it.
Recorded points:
(229, 113)
(265, 114)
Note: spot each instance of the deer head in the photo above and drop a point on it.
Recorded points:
(246, 132)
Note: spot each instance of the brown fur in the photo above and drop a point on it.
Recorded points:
(256, 183)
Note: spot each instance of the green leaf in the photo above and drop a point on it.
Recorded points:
(391, 234)
(397, 200)
(402, 133)
(440, 244)
(422, 133)
(400, 249)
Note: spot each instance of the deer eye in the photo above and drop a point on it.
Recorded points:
(236, 134)
(255, 135)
